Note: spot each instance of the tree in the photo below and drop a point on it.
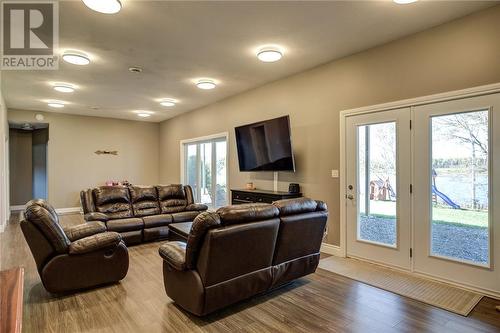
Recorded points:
(471, 129)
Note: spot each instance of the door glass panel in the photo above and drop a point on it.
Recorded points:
(206, 173)
(191, 175)
(459, 187)
(377, 206)
(220, 164)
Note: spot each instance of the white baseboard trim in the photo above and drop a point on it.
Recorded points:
(334, 250)
(60, 211)
(69, 210)
(16, 208)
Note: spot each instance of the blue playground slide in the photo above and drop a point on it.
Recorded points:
(445, 198)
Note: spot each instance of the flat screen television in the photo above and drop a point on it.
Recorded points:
(265, 146)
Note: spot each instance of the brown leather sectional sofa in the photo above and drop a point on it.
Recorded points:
(244, 250)
(72, 258)
(140, 213)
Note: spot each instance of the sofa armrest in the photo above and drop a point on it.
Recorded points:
(84, 230)
(104, 240)
(196, 207)
(94, 216)
(174, 253)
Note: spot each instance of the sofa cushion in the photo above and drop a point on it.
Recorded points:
(104, 240)
(129, 224)
(296, 206)
(184, 216)
(247, 213)
(114, 201)
(157, 220)
(172, 198)
(144, 200)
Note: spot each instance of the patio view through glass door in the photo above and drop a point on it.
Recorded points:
(378, 201)
(455, 189)
(205, 169)
(421, 187)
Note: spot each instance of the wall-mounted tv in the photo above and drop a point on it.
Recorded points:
(265, 146)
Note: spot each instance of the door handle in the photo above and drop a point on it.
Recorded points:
(350, 197)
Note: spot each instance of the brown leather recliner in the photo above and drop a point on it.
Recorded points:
(74, 258)
(244, 250)
(140, 213)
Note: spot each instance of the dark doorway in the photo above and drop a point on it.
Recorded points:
(28, 162)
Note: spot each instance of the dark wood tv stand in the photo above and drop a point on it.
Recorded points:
(242, 196)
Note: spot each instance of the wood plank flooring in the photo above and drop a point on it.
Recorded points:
(320, 302)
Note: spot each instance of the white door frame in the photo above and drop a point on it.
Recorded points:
(412, 102)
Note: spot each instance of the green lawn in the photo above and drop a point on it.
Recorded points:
(387, 209)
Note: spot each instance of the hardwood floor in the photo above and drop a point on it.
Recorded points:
(321, 302)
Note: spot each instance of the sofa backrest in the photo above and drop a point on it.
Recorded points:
(243, 243)
(114, 201)
(87, 201)
(302, 226)
(144, 200)
(122, 202)
(172, 198)
(47, 230)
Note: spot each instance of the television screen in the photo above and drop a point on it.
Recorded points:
(265, 146)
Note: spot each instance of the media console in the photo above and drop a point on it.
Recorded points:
(241, 196)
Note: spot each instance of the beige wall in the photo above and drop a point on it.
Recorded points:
(460, 54)
(72, 164)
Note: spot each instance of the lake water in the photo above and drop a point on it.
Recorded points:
(458, 188)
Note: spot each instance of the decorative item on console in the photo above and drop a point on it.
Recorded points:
(249, 186)
(294, 188)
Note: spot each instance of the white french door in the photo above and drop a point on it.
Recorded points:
(378, 182)
(422, 184)
(457, 187)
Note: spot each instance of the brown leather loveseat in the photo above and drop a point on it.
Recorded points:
(140, 213)
(243, 250)
(73, 258)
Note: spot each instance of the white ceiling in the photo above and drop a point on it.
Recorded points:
(176, 42)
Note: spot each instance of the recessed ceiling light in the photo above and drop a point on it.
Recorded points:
(269, 54)
(206, 84)
(76, 58)
(168, 102)
(104, 6)
(64, 87)
(55, 104)
(404, 2)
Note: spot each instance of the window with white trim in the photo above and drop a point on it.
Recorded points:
(205, 169)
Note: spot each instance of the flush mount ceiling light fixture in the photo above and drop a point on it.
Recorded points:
(64, 87)
(206, 84)
(168, 102)
(143, 113)
(76, 58)
(104, 6)
(56, 104)
(270, 53)
(404, 2)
